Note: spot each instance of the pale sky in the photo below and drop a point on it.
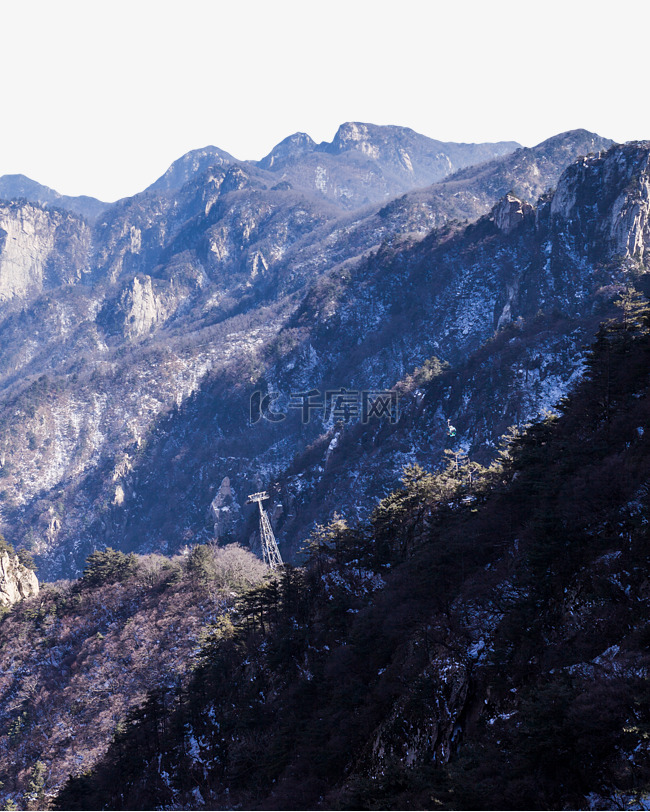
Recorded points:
(99, 98)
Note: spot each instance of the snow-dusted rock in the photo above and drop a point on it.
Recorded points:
(16, 581)
(510, 212)
(225, 510)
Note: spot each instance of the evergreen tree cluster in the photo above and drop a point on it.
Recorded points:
(108, 566)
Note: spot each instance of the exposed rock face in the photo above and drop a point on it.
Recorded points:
(421, 726)
(510, 212)
(139, 309)
(225, 511)
(617, 188)
(39, 249)
(16, 581)
(630, 229)
(236, 178)
(292, 147)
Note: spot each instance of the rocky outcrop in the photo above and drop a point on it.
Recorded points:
(606, 200)
(39, 249)
(16, 581)
(630, 221)
(235, 180)
(291, 148)
(225, 511)
(142, 308)
(510, 212)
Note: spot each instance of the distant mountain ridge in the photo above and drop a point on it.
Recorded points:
(368, 163)
(362, 165)
(13, 187)
(372, 162)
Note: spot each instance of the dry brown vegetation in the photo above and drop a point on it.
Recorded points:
(77, 658)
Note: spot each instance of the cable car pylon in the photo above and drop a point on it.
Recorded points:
(272, 557)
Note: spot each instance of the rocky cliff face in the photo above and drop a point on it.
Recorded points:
(40, 249)
(618, 190)
(16, 581)
(225, 511)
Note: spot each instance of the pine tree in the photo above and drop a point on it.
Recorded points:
(26, 558)
(635, 311)
(36, 786)
(108, 566)
(399, 522)
(337, 542)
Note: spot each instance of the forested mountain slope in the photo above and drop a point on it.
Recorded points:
(75, 659)
(424, 629)
(479, 643)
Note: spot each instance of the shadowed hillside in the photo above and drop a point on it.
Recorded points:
(479, 643)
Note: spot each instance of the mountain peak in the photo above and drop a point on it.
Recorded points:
(293, 146)
(190, 164)
(353, 133)
(585, 140)
(368, 138)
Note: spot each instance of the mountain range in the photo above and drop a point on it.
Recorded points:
(131, 345)
(462, 617)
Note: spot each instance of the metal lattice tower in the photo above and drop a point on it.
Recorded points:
(272, 557)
